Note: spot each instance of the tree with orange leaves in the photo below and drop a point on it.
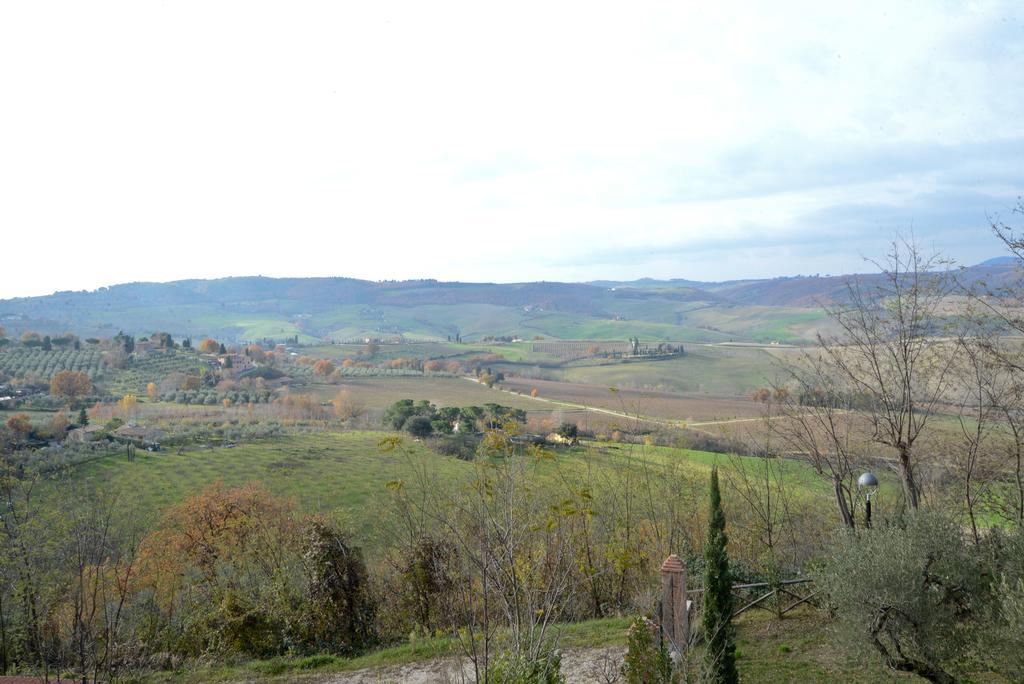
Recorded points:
(218, 525)
(323, 367)
(209, 346)
(70, 384)
(20, 425)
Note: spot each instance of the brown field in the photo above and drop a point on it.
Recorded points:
(664, 405)
(379, 392)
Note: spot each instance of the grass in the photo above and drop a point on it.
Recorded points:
(321, 472)
(712, 370)
(589, 634)
(346, 472)
(332, 471)
(797, 648)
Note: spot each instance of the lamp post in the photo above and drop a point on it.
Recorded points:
(869, 483)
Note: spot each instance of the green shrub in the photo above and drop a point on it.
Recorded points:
(511, 668)
(645, 662)
(928, 600)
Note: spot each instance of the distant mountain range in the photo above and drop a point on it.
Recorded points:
(342, 309)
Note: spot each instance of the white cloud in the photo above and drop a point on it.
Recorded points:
(146, 140)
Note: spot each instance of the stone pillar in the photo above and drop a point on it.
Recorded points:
(675, 623)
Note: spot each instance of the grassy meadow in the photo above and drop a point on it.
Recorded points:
(347, 471)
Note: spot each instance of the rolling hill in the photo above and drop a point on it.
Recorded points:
(322, 309)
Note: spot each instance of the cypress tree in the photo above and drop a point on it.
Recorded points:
(83, 417)
(720, 646)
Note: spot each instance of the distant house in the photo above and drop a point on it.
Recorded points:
(239, 363)
(84, 434)
(146, 347)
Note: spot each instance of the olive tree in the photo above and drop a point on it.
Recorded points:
(926, 600)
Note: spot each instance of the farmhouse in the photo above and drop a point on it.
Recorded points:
(235, 364)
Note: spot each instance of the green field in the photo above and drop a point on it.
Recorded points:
(346, 471)
(320, 471)
(711, 370)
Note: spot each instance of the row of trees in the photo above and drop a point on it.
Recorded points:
(422, 419)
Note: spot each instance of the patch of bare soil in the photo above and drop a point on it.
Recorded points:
(580, 666)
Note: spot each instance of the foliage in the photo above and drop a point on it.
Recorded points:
(323, 367)
(927, 601)
(404, 409)
(70, 384)
(35, 362)
(645, 662)
(719, 633)
(509, 667)
(569, 431)
(428, 577)
(462, 445)
(342, 610)
(419, 426)
(209, 346)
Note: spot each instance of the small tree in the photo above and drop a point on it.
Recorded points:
(209, 346)
(419, 426)
(323, 368)
(927, 600)
(342, 610)
(889, 351)
(645, 662)
(83, 417)
(720, 649)
(70, 384)
(568, 431)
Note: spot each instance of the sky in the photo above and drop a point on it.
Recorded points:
(502, 142)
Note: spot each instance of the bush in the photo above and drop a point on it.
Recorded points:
(645, 661)
(462, 445)
(926, 599)
(419, 426)
(569, 431)
(342, 612)
(265, 372)
(511, 668)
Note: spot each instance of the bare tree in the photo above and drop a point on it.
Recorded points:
(981, 386)
(816, 422)
(761, 484)
(889, 351)
(513, 545)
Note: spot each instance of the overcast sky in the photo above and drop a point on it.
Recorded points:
(499, 141)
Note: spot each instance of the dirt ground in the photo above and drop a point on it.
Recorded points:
(582, 666)
(676, 407)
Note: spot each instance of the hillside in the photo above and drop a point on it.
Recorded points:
(339, 309)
